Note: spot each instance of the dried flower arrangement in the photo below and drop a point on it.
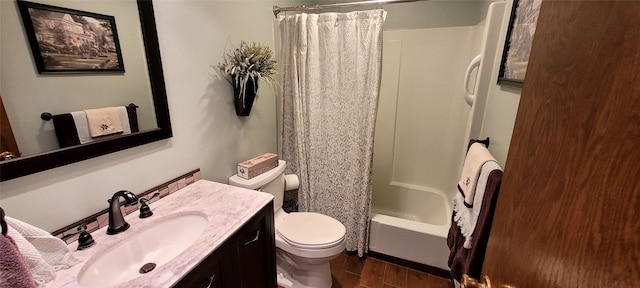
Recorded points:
(248, 61)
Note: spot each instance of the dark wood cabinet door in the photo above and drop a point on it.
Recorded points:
(247, 259)
(255, 252)
(214, 271)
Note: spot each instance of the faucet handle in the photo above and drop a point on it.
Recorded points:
(145, 211)
(85, 240)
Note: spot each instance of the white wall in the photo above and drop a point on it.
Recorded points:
(207, 133)
(502, 104)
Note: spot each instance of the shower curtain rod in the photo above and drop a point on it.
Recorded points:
(277, 10)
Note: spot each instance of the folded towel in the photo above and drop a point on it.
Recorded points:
(13, 269)
(466, 217)
(477, 155)
(43, 253)
(103, 121)
(82, 126)
(124, 119)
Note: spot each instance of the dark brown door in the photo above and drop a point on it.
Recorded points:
(568, 210)
(7, 140)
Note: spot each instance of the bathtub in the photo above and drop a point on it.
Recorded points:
(418, 233)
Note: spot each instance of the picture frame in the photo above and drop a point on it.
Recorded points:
(517, 46)
(64, 40)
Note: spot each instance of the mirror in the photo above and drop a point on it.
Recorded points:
(41, 161)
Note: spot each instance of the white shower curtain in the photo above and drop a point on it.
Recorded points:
(331, 70)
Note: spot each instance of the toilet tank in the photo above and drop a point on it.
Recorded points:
(271, 182)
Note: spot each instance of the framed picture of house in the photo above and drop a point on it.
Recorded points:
(68, 40)
(517, 47)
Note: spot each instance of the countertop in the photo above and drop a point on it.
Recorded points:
(226, 207)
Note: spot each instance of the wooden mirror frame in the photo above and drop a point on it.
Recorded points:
(30, 164)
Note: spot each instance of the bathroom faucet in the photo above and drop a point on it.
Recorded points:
(116, 220)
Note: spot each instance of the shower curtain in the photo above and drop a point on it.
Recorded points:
(331, 70)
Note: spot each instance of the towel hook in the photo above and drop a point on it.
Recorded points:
(46, 116)
(484, 142)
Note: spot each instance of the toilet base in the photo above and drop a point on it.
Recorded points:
(311, 276)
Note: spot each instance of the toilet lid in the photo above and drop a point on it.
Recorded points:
(311, 230)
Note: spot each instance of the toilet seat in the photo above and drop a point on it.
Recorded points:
(311, 230)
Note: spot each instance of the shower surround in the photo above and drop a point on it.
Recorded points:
(422, 131)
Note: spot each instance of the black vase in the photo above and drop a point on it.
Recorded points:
(243, 108)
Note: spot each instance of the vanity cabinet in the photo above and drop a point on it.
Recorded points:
(212, 272)
(246, 259)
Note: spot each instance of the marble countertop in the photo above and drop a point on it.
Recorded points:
(226, 207)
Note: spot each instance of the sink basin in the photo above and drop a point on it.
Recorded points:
(157, 242)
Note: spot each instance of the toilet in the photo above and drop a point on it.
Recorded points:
(305, 241)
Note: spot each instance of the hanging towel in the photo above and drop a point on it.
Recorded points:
(477, 155)
(103, 121)
(43, 253)
(66, 130)
(41, 271)
(82, 123)
(13, 269)
(467, 217)
(467, 249)
(124, 119)
(82, 126)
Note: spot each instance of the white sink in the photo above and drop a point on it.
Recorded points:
(157, 242)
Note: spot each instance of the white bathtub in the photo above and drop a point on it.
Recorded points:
(418, 233)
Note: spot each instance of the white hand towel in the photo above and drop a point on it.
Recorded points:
(82, 126)
(103, 121)
(466, 217)
(43, 252)
(41, 271)
(477, 155)
(124, 119)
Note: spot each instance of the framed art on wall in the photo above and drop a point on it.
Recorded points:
(522, 28)
(68, 40)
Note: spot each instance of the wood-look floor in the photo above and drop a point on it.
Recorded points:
(349, 271)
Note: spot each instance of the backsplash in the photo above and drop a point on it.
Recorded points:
(101, 219)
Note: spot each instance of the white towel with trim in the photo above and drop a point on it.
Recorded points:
(103, 121)
(82, 126)
(124, 119)
(41, 271)
(43, 252)
(467, 217)
(477, 155)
